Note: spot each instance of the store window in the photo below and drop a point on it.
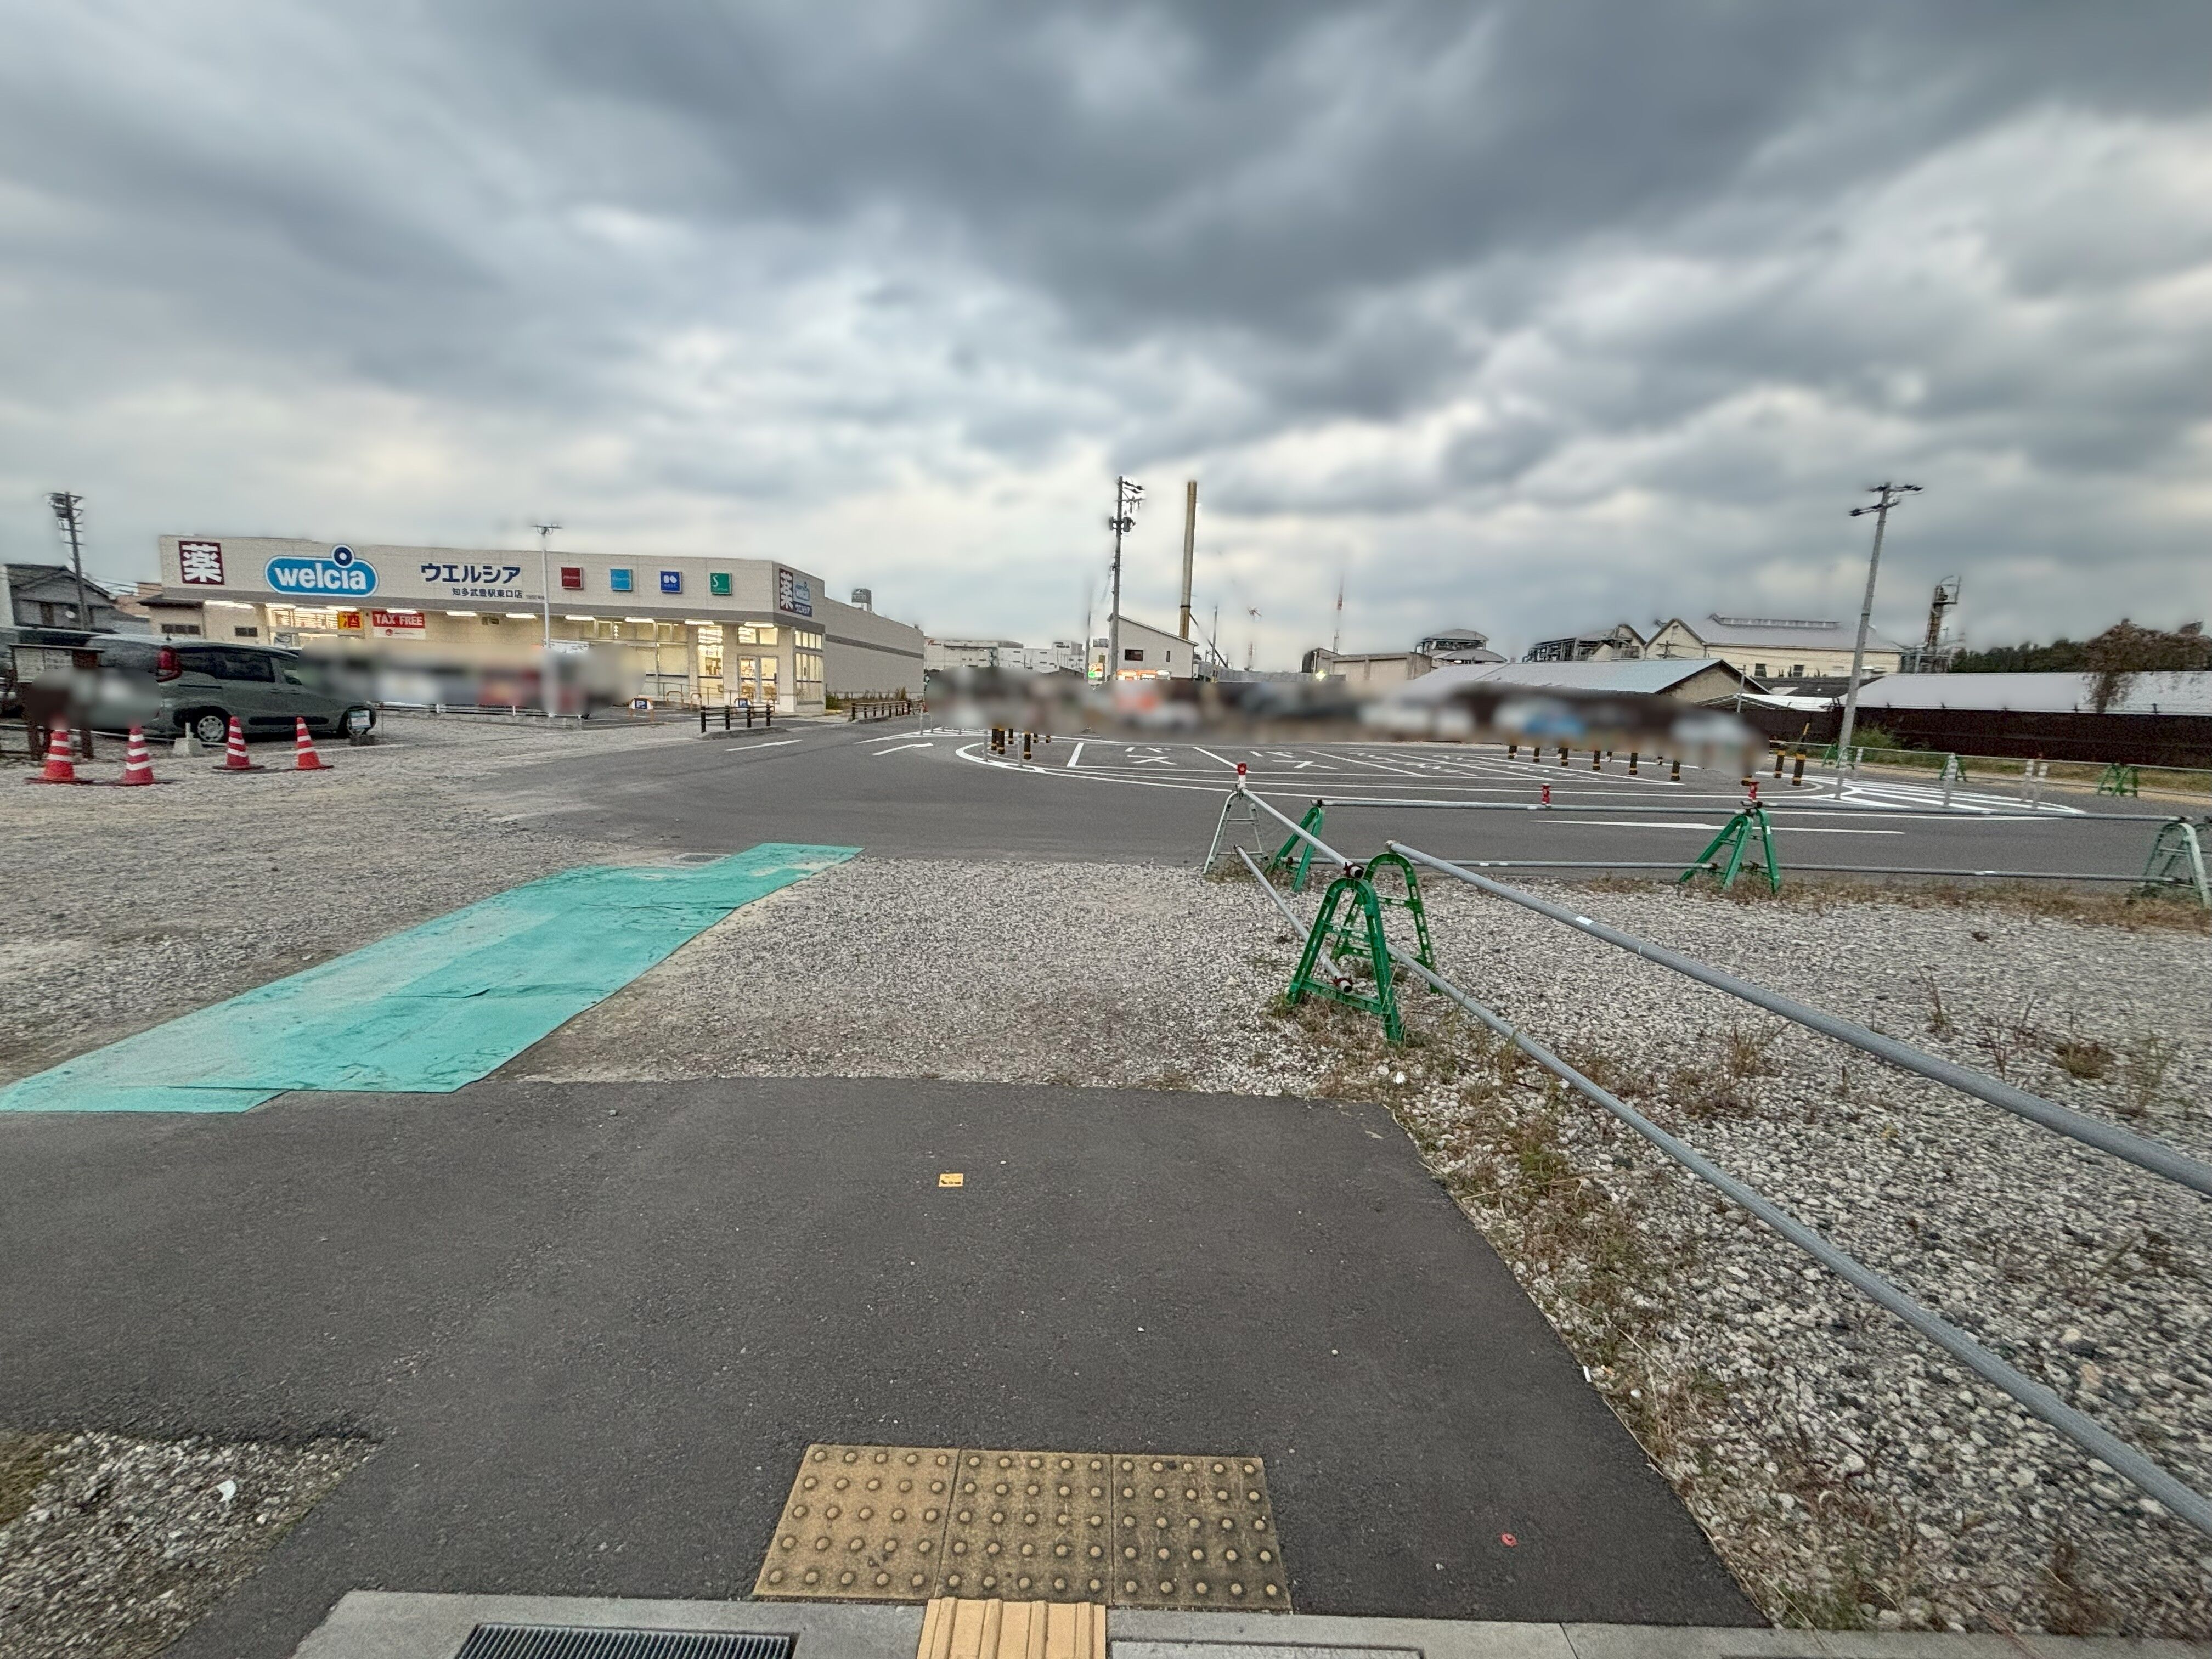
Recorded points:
(756, 633)
(809, 666)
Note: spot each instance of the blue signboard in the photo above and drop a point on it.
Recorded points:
(671, 581)
(344, 573)
(619, 580)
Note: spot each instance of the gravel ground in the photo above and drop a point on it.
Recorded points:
(136, 905)
(112, 1546)
(1848, 1475)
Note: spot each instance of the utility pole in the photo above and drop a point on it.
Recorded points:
(1189, 549)
(1125, 497)
(69, 510)
(1251, 640)
(545, 587)
(1886, 496)
(1336, 638)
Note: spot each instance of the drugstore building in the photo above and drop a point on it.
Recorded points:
(686, 630)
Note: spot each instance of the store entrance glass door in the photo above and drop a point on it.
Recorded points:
(756, 680)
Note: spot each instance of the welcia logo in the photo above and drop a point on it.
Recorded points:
(343, 571)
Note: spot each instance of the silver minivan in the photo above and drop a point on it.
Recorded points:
(172, 686)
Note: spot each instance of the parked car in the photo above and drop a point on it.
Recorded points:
(172, 686)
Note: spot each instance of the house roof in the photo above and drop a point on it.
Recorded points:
(1649, 674)
(1781, 633)
(2175, 693)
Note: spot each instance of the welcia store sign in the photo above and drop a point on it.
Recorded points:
(344, 572)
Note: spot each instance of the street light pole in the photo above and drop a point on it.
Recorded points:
(1886, 497)
(1126, 496)
(545, 578)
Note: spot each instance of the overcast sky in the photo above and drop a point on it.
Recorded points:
(1521, 316)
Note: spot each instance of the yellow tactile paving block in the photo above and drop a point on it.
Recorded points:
(1030, 1526)
(918, 1523)
(862, 1522)
(952, 1628)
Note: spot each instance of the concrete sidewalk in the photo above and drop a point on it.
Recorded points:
(384, 1624)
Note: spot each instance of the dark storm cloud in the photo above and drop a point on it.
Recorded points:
(1585, 288)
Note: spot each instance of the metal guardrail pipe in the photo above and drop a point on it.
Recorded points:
(1816, 869)
(2144, 1153)
(1281, 903)
(2085, 1432)
(1828, 806)
(1295, 828)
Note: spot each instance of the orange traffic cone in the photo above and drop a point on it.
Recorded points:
(304, 758)
(234, 750)
(59, 768)
(137, 764)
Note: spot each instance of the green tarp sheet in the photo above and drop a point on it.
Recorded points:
(430, 1009)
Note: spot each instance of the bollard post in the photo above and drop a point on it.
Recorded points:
(1563, 754)
(1026, 736)
(1797, 772)
(1675, 776)
(768, 717)
(1778, 766)
(1546, 799)
(703, 720)
(1597, 760)
(1632, 763)
(1512, 751)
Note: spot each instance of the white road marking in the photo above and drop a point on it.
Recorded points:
(1076, 755)
(778, 744)
(895, 748)
(1152, 760)
(1224, 759)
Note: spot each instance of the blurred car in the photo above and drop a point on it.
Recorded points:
(173, 686)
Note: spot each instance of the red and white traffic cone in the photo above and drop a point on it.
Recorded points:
(234, 750)
(59, 768)
(304, 758)
(137, 764)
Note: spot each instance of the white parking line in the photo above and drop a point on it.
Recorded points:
(897, 747)
(1076, 755)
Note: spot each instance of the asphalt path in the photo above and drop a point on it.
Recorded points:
(592, 1326)
(904, 791)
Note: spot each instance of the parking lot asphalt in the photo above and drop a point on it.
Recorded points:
(592, 1325)
(906, 792)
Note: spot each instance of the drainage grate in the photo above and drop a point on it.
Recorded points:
(587, 1641)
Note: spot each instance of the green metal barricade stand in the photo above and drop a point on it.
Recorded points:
(2177, 857)
(1346, 941)
(1311, 824)
(1352, 888)
(1737, 835)
(2120, 779)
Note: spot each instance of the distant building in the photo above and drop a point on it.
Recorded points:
(1699, 681)
(939, 654)
(1147, 653)
(1609, 642)
(1373, 668)
(1454, 646)
(1775, 647)
(1060, 657)
(45, 596)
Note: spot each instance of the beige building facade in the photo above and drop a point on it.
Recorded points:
(683, 629)
(1774, 647)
